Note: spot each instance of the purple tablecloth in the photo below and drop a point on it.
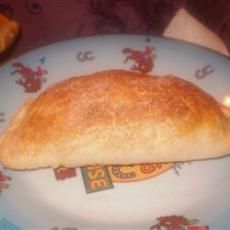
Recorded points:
(44, 22)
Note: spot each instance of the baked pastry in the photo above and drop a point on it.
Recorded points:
(116, 117)
(9, 30)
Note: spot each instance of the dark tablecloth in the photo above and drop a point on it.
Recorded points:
(46, 21)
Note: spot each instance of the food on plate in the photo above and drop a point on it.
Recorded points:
(9, 30)
(116, 117)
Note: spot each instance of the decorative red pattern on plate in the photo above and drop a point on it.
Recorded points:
(31, 79)
(4, 181)
(204, 72)
(62, 173)
(143, 60)
(175, 222)
(197, 228)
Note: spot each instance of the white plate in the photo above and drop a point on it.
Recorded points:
(197, 190)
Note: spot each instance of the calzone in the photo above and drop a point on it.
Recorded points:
(116, 117)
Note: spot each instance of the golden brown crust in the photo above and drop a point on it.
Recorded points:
(9, 30)
(115, 111)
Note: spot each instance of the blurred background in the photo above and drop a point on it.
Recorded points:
(205, 22)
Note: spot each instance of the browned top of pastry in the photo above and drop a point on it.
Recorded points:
(122, 97)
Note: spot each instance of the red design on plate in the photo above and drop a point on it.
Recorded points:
(30, 79)
(4, 181)
(85, 56)
(176, 223)
(2, 117)
(143, 60)
(203, 72)
(62, 173)
(198, 228)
